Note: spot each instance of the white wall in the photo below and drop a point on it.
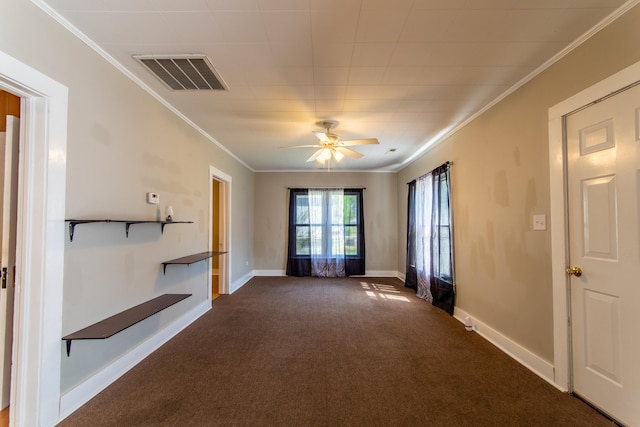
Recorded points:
(121, 144)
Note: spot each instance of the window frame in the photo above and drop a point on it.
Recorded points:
(442, 188)
(354, 223)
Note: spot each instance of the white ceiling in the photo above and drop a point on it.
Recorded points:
(402, 71)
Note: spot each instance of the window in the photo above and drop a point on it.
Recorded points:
(443, 243)
(429, 239)
(327, 224)
(302, 225)
(344, 223)
(351, 209)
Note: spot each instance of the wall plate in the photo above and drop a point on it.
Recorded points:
(539, 222)
(153, 198)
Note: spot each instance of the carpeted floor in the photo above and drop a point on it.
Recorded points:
(286, 351)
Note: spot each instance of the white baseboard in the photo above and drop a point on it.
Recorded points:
(380, 273)
(534, 363)
(82, 393)
(240, 282)
(281, 273)
(270, 273)
(369, 273)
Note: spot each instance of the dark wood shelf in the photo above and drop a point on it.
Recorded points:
(121, 321)
(190, 259)
(127, 222)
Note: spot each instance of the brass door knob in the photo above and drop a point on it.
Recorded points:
(574, 271)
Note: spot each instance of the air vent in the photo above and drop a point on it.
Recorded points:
(184, 72)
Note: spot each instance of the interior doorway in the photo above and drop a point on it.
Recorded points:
(216, 244)
(219, 239)
(9, 156)
(37, 348)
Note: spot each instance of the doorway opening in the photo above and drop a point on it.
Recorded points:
(216, 244)
(9, 155)
(219, 236)
(37, 348)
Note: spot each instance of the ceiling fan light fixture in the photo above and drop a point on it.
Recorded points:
(330, 146)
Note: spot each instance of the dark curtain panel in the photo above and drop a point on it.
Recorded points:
(442, 287)
(299, 257)
(297, 265)
(411, 275)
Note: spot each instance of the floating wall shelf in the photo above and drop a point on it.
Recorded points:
(119, 322)
(190, 259)
(127, 222)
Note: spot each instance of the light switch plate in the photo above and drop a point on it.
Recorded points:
(539, 222)
(153, 198)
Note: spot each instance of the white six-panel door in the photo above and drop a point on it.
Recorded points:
(603, 164)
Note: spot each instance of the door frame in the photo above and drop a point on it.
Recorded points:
(8, 219)
(37, 347)
(559, 214)
(225, 227)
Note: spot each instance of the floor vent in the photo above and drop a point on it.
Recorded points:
(184, 72)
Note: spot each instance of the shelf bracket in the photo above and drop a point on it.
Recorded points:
(126, 228)
(68, 347)
(72, 228)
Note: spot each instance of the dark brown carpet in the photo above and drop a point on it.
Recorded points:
(330, 352)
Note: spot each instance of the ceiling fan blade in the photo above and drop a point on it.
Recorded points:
(315, 155)
(365, 141)
(321, 136)
(348, 152)
(302, 146)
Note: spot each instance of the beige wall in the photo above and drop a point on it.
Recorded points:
(271, 215)
(122, 144)
(500, 178)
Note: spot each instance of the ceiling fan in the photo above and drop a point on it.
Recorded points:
(330, 146)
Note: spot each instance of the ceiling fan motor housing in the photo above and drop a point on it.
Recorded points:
(327, 124)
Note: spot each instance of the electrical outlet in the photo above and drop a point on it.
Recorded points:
(539, 222)
(153, 198)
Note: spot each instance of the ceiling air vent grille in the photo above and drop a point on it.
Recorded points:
(184, 72)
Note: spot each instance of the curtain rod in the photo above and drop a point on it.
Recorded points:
(447, 164)
(326, 188)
